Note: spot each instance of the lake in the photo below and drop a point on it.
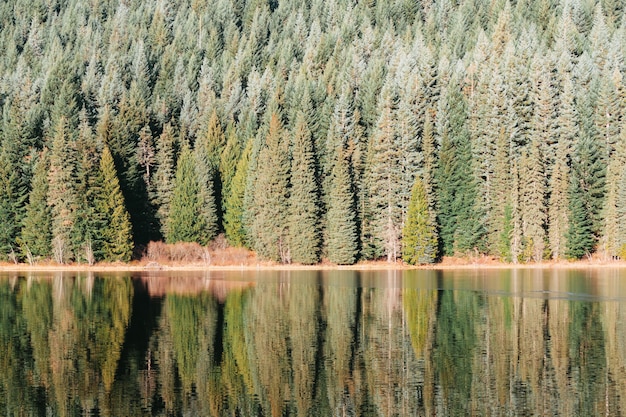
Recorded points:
(314, 343)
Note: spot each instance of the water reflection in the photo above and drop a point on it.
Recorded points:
(521, 342)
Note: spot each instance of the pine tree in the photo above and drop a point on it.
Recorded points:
(419, 236)
(207, 176)
(580, 240)
(185, 222)
(62, 197)
(234, 201)
(558, 204)
(386, 180)
(460, 222)
(116, 234)
(342, 245)
(271, 192)
(164, 176)
(36, 236)
(212, 144)
(304, 212)
(532, 203)
(88, 223)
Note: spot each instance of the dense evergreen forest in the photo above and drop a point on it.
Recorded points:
(343, 130)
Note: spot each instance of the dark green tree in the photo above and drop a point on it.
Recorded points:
(185, 222)
(460, 224)
(271, 195)
(115, 240)
(36, 237)
(304, 211)
(419, 235)
(234, 201)
(164, 176)
(342, 244)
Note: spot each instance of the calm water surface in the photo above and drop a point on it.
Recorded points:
(344, 343)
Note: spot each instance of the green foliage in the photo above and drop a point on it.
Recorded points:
(185, 222)
(36, 236)
(304, 212)
(580, 241)
(116, 239)
(342, 245)
(271, 193)
(234, 201)
(459, 220)
(419, 236)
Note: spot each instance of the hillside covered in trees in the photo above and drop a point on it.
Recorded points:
(344, 130)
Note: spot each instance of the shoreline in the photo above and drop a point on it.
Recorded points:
(265, 266)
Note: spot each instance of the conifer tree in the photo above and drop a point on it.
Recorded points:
(558, 204)
(386, 180)
(532, 202)
(460, 222)
(61, 192)
(207, 176)
(88, 223)
(580, 241)
(12, 194)
(115, 240)
(419, 236)
(185, 222)
(164, 176)
(234, 201)
(271, 194)
(342, 245)
(212, 144)
(304, 212)
(36, 236)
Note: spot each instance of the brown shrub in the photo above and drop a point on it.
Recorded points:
(177, 252)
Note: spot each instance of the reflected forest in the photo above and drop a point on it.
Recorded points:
(313, 130)
(328, 345)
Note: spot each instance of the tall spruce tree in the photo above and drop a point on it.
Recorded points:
(234, 201)
(419, 235)
(271, 194)
(304, 211)
(342, 244)
(208, 177)
(164, 176)
(460, 222)
(386, 179)
(586, 195)
(185, 222)
(115, 240)
(558, 203)
(36, 236)
(61, 191)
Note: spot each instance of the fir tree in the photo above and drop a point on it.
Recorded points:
(461, 227)
(185, 222)
(271, 194)
(580, 240)
(304, 212)
(36, 235)
(419, 236)
(342, 245)
(61, 192)
(386, 180)
(164, 176)
(116, 234)
(234, 201)
(207, 176)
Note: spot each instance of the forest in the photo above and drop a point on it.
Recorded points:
(335, 130)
